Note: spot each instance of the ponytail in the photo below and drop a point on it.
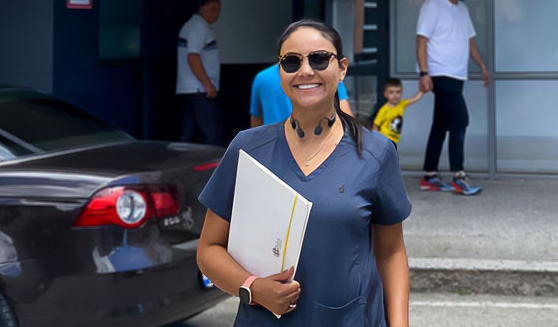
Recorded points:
(355, 129)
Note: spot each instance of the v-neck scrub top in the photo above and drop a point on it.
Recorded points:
(340, 284)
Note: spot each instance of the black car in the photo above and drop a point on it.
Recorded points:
(96, 227)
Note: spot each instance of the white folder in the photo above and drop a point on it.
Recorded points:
(268, 220)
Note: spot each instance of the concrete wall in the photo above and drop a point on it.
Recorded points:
(26, 56)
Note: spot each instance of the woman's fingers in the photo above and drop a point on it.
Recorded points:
(294, 291)
(289, 309)
(286, 296)
(283, 276)
(292, 299)
(278, 292)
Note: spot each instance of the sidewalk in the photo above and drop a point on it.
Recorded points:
(433, 310)
(501, 241)
(484, 260)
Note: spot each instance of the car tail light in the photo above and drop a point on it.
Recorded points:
(164, 200)
(131, 207)
(128, 207)
(206, 166)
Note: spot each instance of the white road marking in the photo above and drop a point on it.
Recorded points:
(483, 264)
(485, 304)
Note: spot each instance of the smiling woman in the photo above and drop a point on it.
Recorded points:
(353, 248)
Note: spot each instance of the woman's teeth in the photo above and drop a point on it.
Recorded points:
(307, 86)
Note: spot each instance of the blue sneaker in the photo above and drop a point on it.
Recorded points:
(434, 183)
(461, 186)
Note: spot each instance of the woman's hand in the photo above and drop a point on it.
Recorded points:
(276, 293)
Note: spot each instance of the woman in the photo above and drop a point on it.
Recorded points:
(353, 260)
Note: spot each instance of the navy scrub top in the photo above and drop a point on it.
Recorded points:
(340, 284)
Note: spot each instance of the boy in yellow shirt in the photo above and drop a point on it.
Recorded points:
(389, 119)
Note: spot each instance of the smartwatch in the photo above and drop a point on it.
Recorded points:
(244, 292)
(423, 73)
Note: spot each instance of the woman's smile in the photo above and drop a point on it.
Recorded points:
(307, 86)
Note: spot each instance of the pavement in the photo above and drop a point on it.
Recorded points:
(434, 310)
(511, 219)
(485, 260)
(502, 241)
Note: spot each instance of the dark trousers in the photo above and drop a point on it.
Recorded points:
(201, 119)
(450, 115)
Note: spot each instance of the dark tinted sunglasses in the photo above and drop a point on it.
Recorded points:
(318, 60)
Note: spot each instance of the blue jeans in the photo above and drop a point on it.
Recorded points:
(450, 115)
(201, 119)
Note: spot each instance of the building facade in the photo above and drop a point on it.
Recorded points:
(514, 122)
(117, 60)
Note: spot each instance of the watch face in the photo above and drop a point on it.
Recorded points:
(244, 295)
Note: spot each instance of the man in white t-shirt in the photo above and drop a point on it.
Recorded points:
(445, 40)
(198, 70)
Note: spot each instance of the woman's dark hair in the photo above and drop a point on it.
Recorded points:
(355, 129)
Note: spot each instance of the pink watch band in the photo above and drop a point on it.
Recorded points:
(248, 282)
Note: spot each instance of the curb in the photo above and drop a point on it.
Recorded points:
(495, 277)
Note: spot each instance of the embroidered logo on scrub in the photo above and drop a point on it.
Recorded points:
(277, 249)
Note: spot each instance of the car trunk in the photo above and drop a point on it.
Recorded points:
(75, 176)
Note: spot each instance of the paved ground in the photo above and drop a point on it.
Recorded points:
(511, 219)
(221, 315)
(436, 310)
(503, 241)
(511, 226)
(442, 310)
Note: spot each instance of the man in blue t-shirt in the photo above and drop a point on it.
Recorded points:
(269, 104)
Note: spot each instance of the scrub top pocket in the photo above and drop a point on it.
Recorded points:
(351, 314)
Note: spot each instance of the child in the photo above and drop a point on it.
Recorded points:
(389, 119)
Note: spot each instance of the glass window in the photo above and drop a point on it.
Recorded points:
(35, 123)
(362, 96)
(418, 119)
(527, 126)
(10, 148)
(120, 29)
(406, 16)
(524, 37)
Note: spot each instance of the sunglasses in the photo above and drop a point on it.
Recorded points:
(318, 60)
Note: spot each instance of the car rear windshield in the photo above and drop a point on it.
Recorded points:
(35, 123)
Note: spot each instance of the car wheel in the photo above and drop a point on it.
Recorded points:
(7, 317)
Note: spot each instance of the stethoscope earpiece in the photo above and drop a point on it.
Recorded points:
(317, 131)
(299, 130)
